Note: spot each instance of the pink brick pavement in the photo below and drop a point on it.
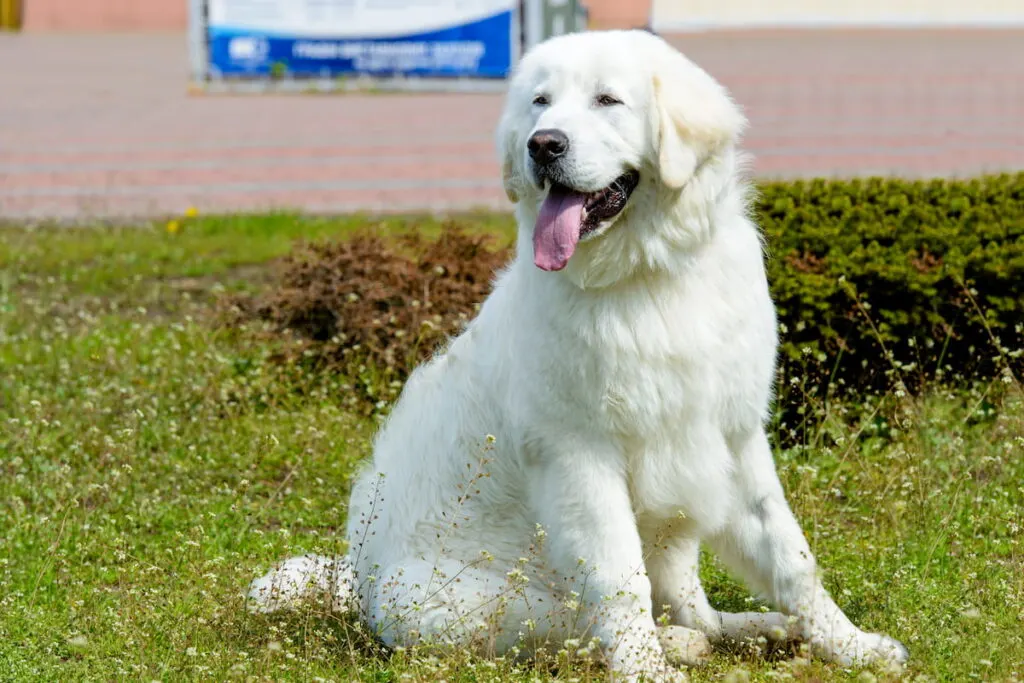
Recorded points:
(101, 125)
(104, 15)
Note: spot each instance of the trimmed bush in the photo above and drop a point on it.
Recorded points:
(882, 279)
(877, 282)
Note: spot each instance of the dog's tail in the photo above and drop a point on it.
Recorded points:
(302, 578)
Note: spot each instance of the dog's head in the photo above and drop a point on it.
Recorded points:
(601, 130)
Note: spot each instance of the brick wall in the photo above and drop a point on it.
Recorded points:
(170, 15)
(618, 13)
(104, 15)
(683, 14)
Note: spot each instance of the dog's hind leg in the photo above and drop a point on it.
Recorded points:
(465, 606)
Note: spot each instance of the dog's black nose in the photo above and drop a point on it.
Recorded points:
(547, 145)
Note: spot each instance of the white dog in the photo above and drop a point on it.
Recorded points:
(552, 473)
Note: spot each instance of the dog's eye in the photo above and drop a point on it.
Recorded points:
(541, 100)
(608, 100)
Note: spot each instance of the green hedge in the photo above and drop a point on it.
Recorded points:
(879, 283)
(883, 279)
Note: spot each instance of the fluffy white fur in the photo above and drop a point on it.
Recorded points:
(553, 472)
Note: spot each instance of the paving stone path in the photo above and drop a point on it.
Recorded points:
(102, 126)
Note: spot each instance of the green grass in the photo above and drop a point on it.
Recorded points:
(152, 463)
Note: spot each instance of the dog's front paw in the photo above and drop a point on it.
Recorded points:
(684, 646)
(662, 674)
(863, 649)
(879, 648)
(644, 662)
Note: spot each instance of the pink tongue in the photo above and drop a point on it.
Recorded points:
(558, 228)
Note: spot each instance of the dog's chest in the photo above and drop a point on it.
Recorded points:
(667, 390)
(639, 395)
(655, 365)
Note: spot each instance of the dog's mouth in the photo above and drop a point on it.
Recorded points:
(567, 216)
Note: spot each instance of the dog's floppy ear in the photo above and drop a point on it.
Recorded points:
(694, 115)
(508, 146)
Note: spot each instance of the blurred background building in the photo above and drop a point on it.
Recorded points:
(97, 117)
(101, 15)
(668, 15)
(679, 14)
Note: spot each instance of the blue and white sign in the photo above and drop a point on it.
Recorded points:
(426, 38)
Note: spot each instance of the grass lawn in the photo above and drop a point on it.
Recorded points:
(152, 463)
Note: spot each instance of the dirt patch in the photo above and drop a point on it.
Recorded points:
(253, 275)
(373, 307)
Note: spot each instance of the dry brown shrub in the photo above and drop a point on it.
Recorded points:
(373, 307)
